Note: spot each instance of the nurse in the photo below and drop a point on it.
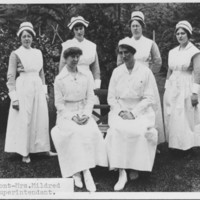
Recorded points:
(132, 138)
(78, 141)
(181, 97)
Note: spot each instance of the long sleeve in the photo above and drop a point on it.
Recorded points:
(41, 73)
(95, 69)
(196, 68)
(11, 77)
(42, 76)
(59, 101)
(62, 61)
(156, 61)
(148, 97)
(112, 101)
(196, 72)
(89, 97)
(119, 60)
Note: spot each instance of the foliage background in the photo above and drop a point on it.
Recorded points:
(108, 24)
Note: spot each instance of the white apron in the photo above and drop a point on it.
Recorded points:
(28, 128)
(182, 120)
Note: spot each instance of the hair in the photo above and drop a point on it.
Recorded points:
(27, 30)
(78, 25)
(129, 48)
(139, 21)
(72, 51)
(187, 32)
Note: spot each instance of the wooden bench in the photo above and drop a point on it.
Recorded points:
(102, 118)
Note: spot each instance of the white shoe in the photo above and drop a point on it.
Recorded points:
(89, 182)
(133, 175)
(121, 181)
(77, 180)
(26, 159)
(50, 153)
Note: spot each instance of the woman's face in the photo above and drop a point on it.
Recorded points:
(136, 29)
(182, 36)
(126, 55)
(79, 32)
(72, 60)
(26, 39)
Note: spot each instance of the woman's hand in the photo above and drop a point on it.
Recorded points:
(75, 119)
(194, 99)
(121, 113)
(20, 68)
(126, 115)
(15, 105)
(47, 97)
(81, 120)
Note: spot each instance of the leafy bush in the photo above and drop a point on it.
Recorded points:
(8, 42)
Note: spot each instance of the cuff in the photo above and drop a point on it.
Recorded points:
(13, 95)
(195, 88)
(97, 83)
(166, 83)
(87, 112)
(134, 114)
(45, 89)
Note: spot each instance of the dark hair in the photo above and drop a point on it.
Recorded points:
(139, 21)
(79, 24)
(72, 51)
(187, 32)
(129, 48)
(27, 30)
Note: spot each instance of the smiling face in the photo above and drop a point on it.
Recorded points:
(79, 32)
(26, 39)
(181, 36)
(136, 29)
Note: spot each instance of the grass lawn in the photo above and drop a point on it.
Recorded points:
(170, 174)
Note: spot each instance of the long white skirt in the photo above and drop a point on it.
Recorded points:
(182, 120)
(28, 128)
(79, 147)
(131, 144)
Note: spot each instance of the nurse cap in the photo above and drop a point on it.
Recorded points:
(75, 20)
(184, 24)
(137, 15)
(26, 26)
(127, 41)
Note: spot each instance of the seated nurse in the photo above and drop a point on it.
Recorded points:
(77, 139)
(132, 138)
